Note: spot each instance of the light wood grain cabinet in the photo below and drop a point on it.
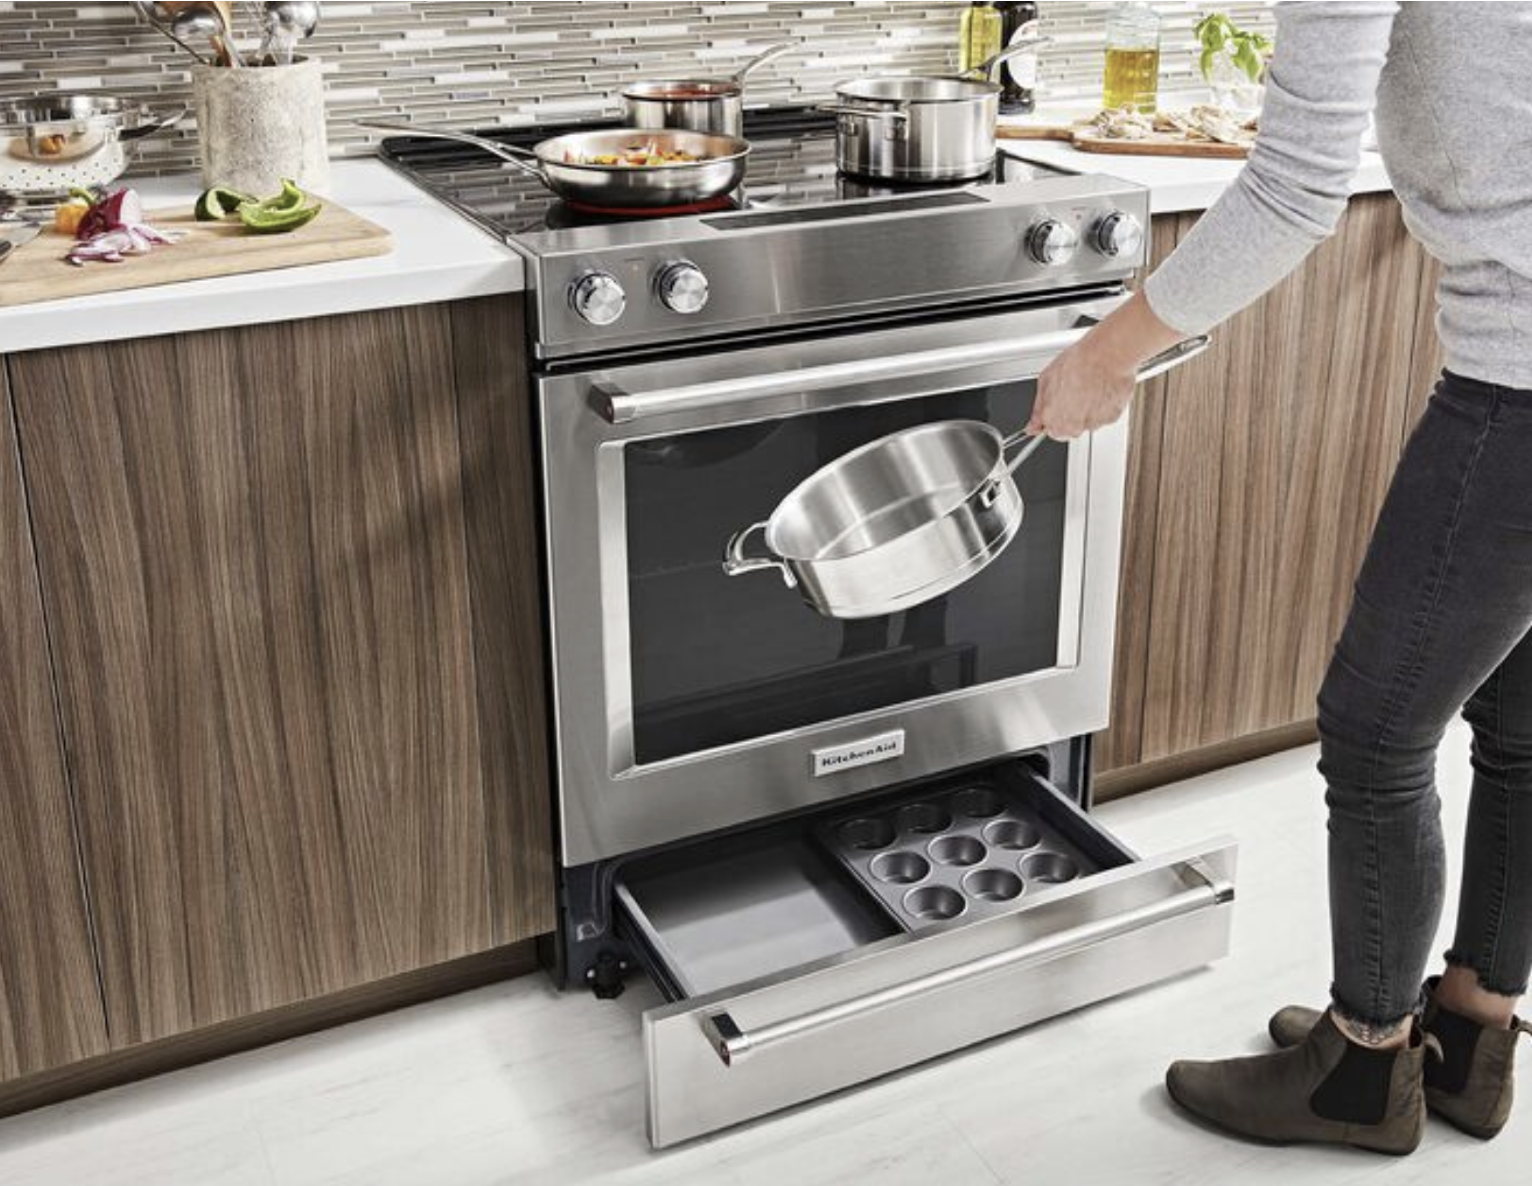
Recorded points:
(50, 1001)
(1256, 474)
(289, 577)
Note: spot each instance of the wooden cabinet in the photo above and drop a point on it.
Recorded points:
(50, 1001)
(289, 572)
(1256, 474)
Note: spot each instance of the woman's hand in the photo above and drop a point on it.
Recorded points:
(1080, 390)
(1090, 385)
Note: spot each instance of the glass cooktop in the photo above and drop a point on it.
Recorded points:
(791, 167)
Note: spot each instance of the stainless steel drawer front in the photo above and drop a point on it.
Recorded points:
(744, 1052)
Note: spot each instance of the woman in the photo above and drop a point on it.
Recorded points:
(1442, 613)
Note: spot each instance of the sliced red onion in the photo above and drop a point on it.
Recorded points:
(117, 230)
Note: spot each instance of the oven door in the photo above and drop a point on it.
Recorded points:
(688, 701)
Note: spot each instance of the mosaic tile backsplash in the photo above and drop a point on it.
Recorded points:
(473, 64)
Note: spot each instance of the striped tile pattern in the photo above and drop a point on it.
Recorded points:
(480, 63)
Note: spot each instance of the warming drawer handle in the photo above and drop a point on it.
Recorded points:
(733, 1044)
(621, 407)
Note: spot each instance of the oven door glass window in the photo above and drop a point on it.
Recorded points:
(717, 660)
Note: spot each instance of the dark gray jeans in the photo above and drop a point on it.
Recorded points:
(1441, 620)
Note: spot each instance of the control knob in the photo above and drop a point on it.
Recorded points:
(683, 288)
(598, 298)
(1052, 243)
(1118, 234)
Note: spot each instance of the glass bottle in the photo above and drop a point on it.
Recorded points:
(978, 36)
(1132, 58)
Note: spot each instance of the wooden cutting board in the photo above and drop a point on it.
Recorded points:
(1169, 146)
(1035, 132)
(37, 271)
(1158, 146)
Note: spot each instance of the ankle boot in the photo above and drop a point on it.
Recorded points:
(1324, 1089)
(1473, 1084)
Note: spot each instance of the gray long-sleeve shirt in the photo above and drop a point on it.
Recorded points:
(1451, 87)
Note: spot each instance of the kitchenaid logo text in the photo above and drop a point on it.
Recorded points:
(859, 753)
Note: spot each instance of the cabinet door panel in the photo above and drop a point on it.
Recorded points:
(1276, 451)
(500, 481)
(253, 551)
(50, 1000)
(1255, 475)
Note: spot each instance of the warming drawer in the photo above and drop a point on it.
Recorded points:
(815, 955)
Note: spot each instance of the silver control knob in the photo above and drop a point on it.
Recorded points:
(1052, 242)
(1118, 234)
(683, 288)
(598, 298)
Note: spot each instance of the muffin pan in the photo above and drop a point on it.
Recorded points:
(965, 853)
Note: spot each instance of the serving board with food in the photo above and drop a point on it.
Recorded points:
(1200, 131)
(106, 242)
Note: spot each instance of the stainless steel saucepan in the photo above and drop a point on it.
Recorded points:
(921, 128)
(904, 518)
(562, 165)
(715, 105)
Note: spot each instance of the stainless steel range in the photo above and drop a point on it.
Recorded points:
(839, 847)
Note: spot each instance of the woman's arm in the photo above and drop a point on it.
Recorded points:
(1320, 91)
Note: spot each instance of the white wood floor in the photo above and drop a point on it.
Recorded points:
(514, 1084)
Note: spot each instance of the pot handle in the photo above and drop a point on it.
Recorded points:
(735, 562)
(162, 124)
(1157, 365)
(899, 117)
(760, 59)
(985, 68)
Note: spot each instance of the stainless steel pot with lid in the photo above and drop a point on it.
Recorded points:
(53, 143)
(920, 128)
(903, 519)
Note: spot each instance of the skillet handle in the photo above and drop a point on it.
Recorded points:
(736, 563)
(528, 162)
(1157, 365)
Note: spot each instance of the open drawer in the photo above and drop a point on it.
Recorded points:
(791, 974)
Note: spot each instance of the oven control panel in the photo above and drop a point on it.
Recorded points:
(747, 271)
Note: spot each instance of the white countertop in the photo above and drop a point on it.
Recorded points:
(1176, 184)
(438, 256)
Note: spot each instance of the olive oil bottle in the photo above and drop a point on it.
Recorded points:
(1132, 76)
(978, 35)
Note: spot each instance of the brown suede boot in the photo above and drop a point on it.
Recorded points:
(1471, 1087)
(1324, 1089)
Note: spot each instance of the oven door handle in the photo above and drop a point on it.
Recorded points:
(622, 407)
